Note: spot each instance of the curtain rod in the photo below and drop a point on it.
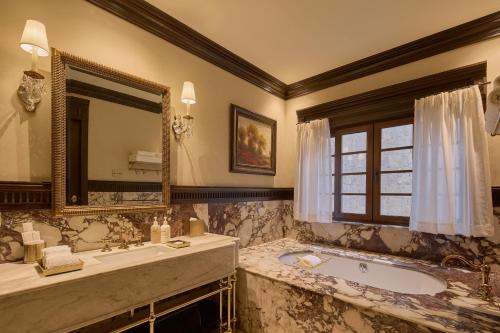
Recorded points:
(476, 84)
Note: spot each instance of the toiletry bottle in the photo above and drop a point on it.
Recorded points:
(165, 231)
(155, 232)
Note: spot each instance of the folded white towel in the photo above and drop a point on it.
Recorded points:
(28, 236)
(57, 260)
(309, 261)
(56, 249)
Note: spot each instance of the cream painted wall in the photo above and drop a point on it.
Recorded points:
(486, 51)
(83, 29)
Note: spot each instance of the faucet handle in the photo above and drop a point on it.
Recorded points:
(139, 239)
(106, 247)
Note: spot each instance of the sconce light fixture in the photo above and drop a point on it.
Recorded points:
(183, 125)
(34, 41)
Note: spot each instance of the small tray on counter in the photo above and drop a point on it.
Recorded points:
(60, 269)
(178, 243)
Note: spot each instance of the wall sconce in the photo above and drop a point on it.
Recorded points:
(183, 125)
(34, 41)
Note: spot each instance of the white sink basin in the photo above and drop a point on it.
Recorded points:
(133, 255)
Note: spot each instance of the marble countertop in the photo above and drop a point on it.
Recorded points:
(457, 309)
(17, 278)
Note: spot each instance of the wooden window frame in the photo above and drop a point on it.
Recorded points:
(377, 151)
(367, 217)
(373, 173)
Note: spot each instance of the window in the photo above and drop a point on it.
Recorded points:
(372, 168)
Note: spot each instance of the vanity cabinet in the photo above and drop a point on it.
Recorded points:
(29, 302)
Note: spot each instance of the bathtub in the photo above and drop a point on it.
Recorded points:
(354, 291)
(378, 274)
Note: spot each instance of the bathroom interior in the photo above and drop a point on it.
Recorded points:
(190, 166)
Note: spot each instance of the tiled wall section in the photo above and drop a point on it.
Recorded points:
(253, 222)
(400, 241)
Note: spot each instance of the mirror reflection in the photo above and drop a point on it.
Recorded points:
(113, 142)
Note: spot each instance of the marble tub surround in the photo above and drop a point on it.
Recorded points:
(253, 222)
(104, 289)
(400, 241)
(457, 309)
(268, 306)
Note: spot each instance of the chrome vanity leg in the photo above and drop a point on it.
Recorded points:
(221, 285)
(152, 318)
(234, 299)
(229, 291)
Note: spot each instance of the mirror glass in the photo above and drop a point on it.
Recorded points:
(113, 140)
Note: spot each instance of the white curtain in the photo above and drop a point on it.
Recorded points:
(313, 179)
(451, 176)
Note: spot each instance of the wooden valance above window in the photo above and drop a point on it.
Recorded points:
(394, 101)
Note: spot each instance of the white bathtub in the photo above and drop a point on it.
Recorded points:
(371, 273)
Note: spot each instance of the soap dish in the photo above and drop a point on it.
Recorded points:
(60, 269)
(178, 243)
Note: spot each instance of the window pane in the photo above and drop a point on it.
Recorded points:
(332, 145)
(354, 184)
(333, 203)
(395, 182)
(354, 163)
(354, 142)
(354, 204)
(333, 164)
(333, 184)
(395, 205)
(397, 136)
(396, 160)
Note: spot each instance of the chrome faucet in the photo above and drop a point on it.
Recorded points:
(485, 290)
(124, 241)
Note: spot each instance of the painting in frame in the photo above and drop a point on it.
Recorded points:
(253, 142)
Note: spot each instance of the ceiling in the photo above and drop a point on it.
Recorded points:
(296, 39)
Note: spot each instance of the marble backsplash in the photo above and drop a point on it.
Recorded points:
(400, 241)
(254, 222)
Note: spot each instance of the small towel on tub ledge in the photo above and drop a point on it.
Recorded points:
(309, 261)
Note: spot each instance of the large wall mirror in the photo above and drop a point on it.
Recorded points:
(110, 139)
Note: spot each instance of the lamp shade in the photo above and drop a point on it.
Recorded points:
(34, 35)
(188, 96)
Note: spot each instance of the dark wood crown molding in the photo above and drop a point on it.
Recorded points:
(203, 194)
(90, 90)
(154, 20)
(461, 35)
(395, 101)
(26, 196)
(157, 22)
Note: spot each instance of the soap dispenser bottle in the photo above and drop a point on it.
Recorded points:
(155, 232)
(165, 231)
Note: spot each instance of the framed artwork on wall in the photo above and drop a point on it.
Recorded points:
(253, 142)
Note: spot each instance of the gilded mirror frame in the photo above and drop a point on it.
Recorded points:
(59, 61)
